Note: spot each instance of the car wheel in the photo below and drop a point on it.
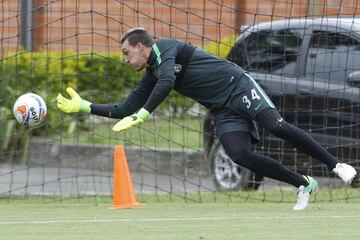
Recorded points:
(229, 176)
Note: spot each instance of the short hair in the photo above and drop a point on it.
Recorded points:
(136, 35)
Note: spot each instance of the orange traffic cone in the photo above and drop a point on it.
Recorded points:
(123, 193)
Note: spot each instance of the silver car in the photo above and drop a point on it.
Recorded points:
(311, 70)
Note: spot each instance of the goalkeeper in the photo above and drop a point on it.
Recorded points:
(232, 96)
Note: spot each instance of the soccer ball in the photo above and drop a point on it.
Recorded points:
(30, 110)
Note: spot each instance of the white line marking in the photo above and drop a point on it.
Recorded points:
(172, 219)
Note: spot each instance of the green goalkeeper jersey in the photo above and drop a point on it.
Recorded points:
(207, 79)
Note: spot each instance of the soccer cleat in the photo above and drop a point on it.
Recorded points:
(304, 193)
(345, 172)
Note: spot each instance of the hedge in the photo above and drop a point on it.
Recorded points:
(100, 78)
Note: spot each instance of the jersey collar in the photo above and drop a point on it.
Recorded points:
(155, 55)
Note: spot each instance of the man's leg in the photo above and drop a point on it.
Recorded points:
(252, 100)
(238, 146)
(271, 120)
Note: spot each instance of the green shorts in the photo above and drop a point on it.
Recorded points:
(228, 121)
(248, 98)
(239, 113)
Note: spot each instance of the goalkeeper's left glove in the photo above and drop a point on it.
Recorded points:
(132, 120)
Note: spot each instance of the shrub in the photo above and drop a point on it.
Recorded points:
(100, 78)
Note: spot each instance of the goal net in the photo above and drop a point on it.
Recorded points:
(304, 54)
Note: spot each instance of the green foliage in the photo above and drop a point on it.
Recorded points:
(98, 78)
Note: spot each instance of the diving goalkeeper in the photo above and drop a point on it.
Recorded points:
(232, 96)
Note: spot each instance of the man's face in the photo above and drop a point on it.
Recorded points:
(134, 55)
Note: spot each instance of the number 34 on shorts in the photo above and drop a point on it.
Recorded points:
(254, 96)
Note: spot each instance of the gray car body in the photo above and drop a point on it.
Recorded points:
(348, 26)
(301, 88)
(328, 110)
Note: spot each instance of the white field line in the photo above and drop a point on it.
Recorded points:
(173, 219)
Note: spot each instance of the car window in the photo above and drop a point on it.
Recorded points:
(332, 56)
(274, 51)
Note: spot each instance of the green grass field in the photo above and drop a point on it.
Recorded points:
(81, 219)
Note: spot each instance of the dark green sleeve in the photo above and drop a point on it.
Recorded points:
(164, 85)
(135, 100)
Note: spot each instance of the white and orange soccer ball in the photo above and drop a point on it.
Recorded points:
(30, 110)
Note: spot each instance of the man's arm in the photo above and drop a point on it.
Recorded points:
(165, 83)
(134, 101)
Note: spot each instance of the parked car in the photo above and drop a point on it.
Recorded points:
(310, 68)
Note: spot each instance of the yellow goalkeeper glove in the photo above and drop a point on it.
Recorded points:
(132, 120)
(75, 104)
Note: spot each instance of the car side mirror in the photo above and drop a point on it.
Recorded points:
(353, 79)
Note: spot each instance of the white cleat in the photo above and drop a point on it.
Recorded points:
(345, 172)
(302, 199)
(304, 194)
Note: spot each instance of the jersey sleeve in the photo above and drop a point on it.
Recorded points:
(135, 100)
(164, 85)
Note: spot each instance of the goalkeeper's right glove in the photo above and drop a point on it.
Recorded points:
(75, 104)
